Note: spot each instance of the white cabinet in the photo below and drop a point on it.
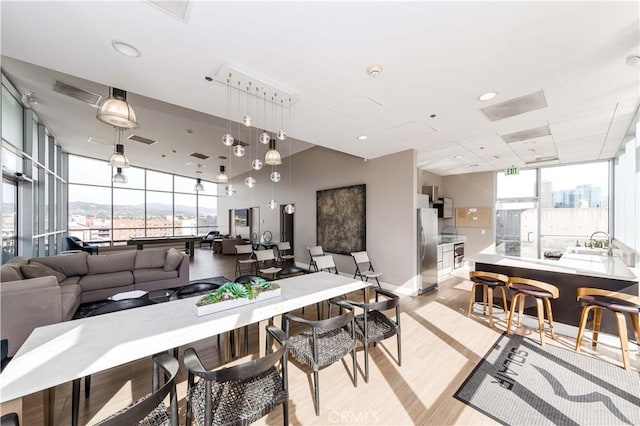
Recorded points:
(445, 260)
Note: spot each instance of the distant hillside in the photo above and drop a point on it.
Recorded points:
(93, 209)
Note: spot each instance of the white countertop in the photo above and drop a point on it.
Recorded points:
(69, 350)
(577, 264)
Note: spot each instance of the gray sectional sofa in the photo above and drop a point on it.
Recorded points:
(47, 290)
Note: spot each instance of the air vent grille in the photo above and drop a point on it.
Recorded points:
(198, 155)
(141, 139)
(515, 106)
(77, 93)
(525, 135)
(544, 160)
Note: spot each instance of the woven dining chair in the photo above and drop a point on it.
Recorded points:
(323, 343)
(241, 394)
(372, 325)
(150, 410)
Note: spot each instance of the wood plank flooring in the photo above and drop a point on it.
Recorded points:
(440, 348)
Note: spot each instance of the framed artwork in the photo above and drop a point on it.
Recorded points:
(341, 219)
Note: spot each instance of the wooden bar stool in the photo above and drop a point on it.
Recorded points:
(542, 292)
(488, 281)
(619, 303)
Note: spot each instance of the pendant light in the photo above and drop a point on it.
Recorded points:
(272, 157)
(222, 177)
(118, 159)
(289, 208)
(116, 111)
(119, 177)
(264, 136)
(249, 181)
(199, 187)
(227, 139)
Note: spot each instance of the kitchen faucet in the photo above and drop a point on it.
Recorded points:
(609, 247)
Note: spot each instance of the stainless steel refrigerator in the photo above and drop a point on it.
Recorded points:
(427, 249)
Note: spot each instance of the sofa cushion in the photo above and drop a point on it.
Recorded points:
(71, 281)
(10, 271)
(103, 281)
(69, 264)
(107, 263)
(172, 260)
(37, 270)
(70, 300)
(153, 258)
(153, 274)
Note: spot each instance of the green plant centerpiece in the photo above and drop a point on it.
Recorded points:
(230, 295)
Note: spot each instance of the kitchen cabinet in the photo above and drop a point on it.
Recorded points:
(446, 258)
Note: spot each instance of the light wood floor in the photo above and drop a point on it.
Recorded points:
(440, 348)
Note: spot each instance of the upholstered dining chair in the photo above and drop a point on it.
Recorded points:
(241, 394)
(364, 267)
(314, 252)
(150, 410)
(542, 293)
(244, 257)
(595, 299)
(322, 343)
(373, 325)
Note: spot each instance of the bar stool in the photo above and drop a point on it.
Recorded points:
(542, 292)
(619, 303)
(489, 281)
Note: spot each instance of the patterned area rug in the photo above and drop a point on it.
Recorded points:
(520, 382)
(157, 296)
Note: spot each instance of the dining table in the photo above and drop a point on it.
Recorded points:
(61, 353)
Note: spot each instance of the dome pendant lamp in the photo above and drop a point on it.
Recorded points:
(116, 111)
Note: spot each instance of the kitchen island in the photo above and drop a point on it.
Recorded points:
(576, 268)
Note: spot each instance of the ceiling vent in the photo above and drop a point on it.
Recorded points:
(140, 139)
(543, 161)
(99, 142)
(198, 155)
(515, 106)
(85, 96)
(525, 135)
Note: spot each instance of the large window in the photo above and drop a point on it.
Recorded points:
(150, 204)
(546, 210)
(574, 203)
(9, 220)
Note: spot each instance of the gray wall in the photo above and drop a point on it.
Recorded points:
(391, 185)
(467, 190)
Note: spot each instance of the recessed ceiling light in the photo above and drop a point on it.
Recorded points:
(458, 157)
(487, 96)
(126, 49)
(363, 137)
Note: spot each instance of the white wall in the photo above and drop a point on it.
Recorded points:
(391, 187)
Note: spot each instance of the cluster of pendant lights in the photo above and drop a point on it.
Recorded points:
(272, 156)
(116, 111)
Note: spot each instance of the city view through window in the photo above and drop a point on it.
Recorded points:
(569, 204)
(150, 204)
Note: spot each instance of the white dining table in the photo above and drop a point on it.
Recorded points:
(60, 353)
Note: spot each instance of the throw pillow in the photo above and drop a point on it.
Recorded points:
(172, 261)
(37, 270)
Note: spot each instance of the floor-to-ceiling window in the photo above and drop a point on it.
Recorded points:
(9, 219)
(151, 203)
(548, 209)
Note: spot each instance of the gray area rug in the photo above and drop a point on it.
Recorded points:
(157, 296)
(521, 383)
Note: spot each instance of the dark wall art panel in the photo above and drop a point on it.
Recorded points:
(341, 219)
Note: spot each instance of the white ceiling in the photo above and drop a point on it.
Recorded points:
(437, 58)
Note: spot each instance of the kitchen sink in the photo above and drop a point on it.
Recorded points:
(587, 250)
